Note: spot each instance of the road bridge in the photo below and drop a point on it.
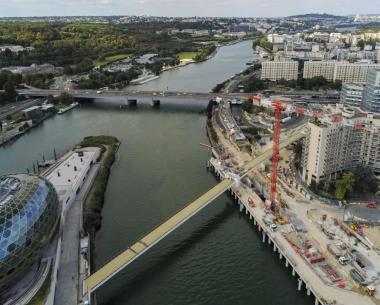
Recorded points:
(117, 264)
(167, 95)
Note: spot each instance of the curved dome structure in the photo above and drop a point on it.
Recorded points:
(29, 213)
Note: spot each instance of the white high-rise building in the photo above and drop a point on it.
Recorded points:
(276, 70)
(319, 68)
(351, 94)
(330, 148)
(371, 93)
(353, 73)
(338, 71)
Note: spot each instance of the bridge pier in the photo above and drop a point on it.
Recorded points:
(286, 263)
(308, 292)
(299, 284)
(132, 102)
(155, 103)
(316, 302)
(264, 236)
(274, 248)
(293, 272)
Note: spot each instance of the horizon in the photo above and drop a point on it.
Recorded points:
(191, 16)
(183, 8)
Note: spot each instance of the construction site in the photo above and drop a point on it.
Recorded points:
(333, 252)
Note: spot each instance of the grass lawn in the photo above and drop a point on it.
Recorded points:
(187, 55)
(111, 59)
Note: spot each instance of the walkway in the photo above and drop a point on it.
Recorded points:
(124, 259)
(67, 283)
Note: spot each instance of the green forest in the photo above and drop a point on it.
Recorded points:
(78, 47)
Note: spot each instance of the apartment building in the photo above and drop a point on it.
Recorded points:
(330, 148)
(353, 73)
(351, 94)
(276, 70)
(319, 68)
(371, 93)
(338, 71)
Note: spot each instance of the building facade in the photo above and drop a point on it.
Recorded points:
(338, 71)
(371, 93)
(276, 70)
(351, 94)
(319, 68)
(29, 214)
(329, 148)
(353, 73)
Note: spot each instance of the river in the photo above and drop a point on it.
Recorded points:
(204, 76)
(216, 257)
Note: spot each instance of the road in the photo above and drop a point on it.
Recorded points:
(92, 94)
(12, 108)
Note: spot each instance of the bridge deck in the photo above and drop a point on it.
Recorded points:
(121, 261)
(129, 255)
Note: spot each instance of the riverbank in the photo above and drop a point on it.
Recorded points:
(92, 209)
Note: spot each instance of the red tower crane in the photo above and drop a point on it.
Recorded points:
(278, 108)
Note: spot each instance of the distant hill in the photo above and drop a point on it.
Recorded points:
(317, 16)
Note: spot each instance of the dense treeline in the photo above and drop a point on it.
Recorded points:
(76, 46)
(101, 79)
(315, 83)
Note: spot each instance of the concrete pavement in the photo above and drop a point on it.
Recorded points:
(67, 289)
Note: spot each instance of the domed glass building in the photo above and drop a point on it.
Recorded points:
(29, 214)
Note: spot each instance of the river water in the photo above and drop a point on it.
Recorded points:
(216, 257)
(202, 77)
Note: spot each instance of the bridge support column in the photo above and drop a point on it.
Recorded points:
(286, 263)
(293, 272)
(259, 228)
(264, 236)
(155, 103)
(316, 302)
(280, 255)
(132, 102)
(274, 248)
(241, 207)
(250, 216)
(246, 211)
(269, 240)
(308, 292)
(299, 284)
(254, 221)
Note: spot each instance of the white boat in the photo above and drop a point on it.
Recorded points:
(144, 78)
(71, 106)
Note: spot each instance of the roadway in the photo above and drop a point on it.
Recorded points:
(106, 272)
(93, 94)
(13, 108)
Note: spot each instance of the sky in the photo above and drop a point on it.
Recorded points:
(229, 8)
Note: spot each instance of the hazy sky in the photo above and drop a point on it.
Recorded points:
(11, 8)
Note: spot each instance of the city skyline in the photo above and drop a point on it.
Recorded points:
(185, 8)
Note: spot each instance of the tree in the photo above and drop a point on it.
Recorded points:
(344, 185)
(9, 89)
(65, 98)
(365, 180)
(361, 44)
(247, 106)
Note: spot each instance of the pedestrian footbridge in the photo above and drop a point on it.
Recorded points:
(106, 272)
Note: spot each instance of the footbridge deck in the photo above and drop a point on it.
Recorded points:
(106, 272)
